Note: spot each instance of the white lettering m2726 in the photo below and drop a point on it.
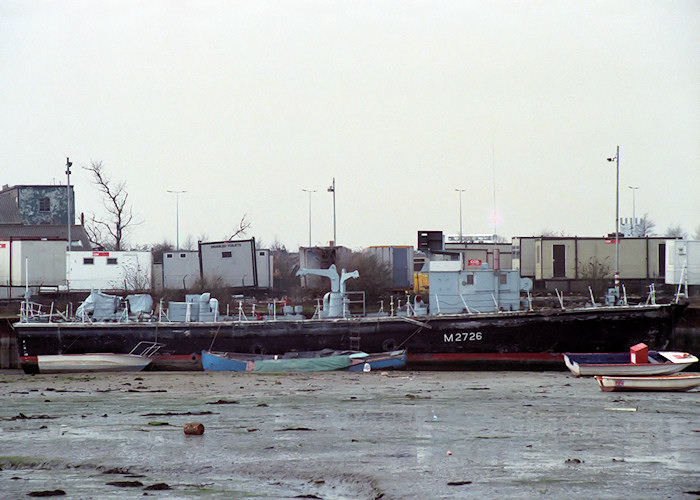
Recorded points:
(462, 337)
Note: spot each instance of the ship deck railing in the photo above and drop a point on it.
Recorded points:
(33, 312)
(146, 348)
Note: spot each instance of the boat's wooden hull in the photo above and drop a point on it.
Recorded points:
(681, 382)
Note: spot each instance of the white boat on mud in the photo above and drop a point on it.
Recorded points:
(620, 363)
(679, 382)
(95, 362)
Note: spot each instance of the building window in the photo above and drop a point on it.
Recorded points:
(44, 205)
(88, 261)
(111, 261)
(226, 255)
(470, 279)
(504, 279)
(168, 256)
(182, 255)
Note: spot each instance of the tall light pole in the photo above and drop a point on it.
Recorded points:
(69, 164)
(309, 191)
(634, 220)
(616, 159)
(460, 191)
(177, 216)
(331, 189)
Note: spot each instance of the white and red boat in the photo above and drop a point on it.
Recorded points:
(678, 382)
(629, 363)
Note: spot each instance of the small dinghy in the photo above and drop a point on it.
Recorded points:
(680, 382)
(302, 361)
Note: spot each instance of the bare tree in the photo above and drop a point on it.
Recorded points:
(549, 233)
(189, 243)
(696, 234)
(645, 227)
(597, 273)
(676, 232)
(109, 233)
(158, 249)
(243, 226)
(375, 275)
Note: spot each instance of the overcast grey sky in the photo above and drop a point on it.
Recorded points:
(245, 103)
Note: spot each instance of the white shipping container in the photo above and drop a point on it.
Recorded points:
(400, 262)
(180, 269)
(43, 260)
(231, 262)
(683, 262)
(103, 270)
(265, 267)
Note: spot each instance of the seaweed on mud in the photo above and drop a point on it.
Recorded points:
(46, 493)
(116, 470)
(176, 414)
(158, 487)
(125, 484)
(223, 402)
(17, 462)
(416, 396)
(22, 416)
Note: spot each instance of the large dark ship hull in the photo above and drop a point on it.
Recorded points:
(441, 342)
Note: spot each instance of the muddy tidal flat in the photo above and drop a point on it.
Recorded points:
(337, 435)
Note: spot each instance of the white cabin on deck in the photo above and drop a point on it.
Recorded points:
(456, 290)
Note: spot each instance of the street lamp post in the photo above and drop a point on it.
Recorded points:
(69, 164)
(616, 159)
(634, 219)
(177, 216)
(309, 191)
(460, 191)
(331, 189)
